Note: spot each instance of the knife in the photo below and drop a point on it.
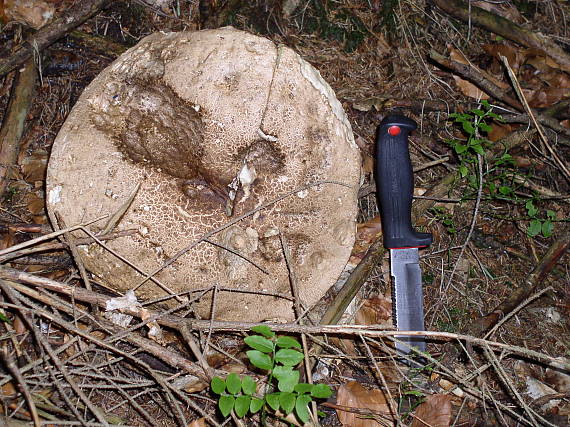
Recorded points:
(395, 184)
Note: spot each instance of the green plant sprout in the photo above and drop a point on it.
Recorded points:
(499, 182)
(445, 217)
(473, 123)
(537, 225)
(277, 355)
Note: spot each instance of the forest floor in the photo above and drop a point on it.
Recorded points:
(488, 85)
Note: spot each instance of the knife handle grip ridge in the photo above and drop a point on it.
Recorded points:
(395, 184)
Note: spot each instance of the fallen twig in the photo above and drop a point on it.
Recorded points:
(72, 18)
(524, 291)
(503, 27)
(13, 126)
(471, 74)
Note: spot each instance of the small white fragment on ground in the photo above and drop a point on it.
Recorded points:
(129, 300)
(265, 137)
(302, 194)
(552, 315)
(54, 194)
(537, 389)
(558, 375)
(246, 177)
(322, 372)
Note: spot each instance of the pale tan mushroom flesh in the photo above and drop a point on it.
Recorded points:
(189, 116)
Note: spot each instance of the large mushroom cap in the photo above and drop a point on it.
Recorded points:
(212, 124)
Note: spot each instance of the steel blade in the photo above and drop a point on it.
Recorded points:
(407, 294)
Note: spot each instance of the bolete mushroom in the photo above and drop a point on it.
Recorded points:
(211, 125)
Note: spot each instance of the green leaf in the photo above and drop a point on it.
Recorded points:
(226, 404)
(242, 405)
(547, 228)
(288, 382)
(478, 112)
(287, 342)
(259, 360)
(303, 388)
(218, 385)
(272, 400)
(248, 385)
(288, 357)
(281, 371)
(301, 407)
(416, 393)
(3, 318)
(504, 190)
(485, 127)
(321, 391)
(255, 405)
(463, 171)
(468, 128)
(534, 228)
(233, 383)
(263, 330)
(530, 208)
(287, 402)
(460, 149)
(484, 102)
(478, 149)
(550, 214)
(260, 343)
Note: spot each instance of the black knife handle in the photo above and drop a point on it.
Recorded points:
(395, 184)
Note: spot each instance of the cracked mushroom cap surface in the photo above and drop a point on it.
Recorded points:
(212, 125)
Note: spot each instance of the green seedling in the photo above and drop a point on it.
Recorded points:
(538, 225)
(278, 356)
(473, 123)
(446, 218)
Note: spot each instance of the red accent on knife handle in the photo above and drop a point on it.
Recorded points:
(395, 184)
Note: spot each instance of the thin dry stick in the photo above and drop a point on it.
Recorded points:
(53, 356)
(298, 313)
(74, 253)
(229, 224)
(166, 387)
(516, 310)
(510, 386)
(175, 321)
(528, 110)
(10, 364)
(50, 33)
(473, 221)
(116, 217)
(391, 403)
(48, 236)
(46, 247)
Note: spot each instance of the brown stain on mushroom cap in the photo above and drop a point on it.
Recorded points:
(217, 89)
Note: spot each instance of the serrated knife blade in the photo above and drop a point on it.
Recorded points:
(394, 184)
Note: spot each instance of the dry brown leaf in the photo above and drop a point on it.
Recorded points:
(557, 376)
(34, 166)
(543, 98)
(35, 204)
(467, 88)
(499, 131)
(506, 10)
(375, 311)
(200, 422)
(515, 56)
(366, 233)
(354, 395)
(435, 411)
(7, 240)
(35, 13)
